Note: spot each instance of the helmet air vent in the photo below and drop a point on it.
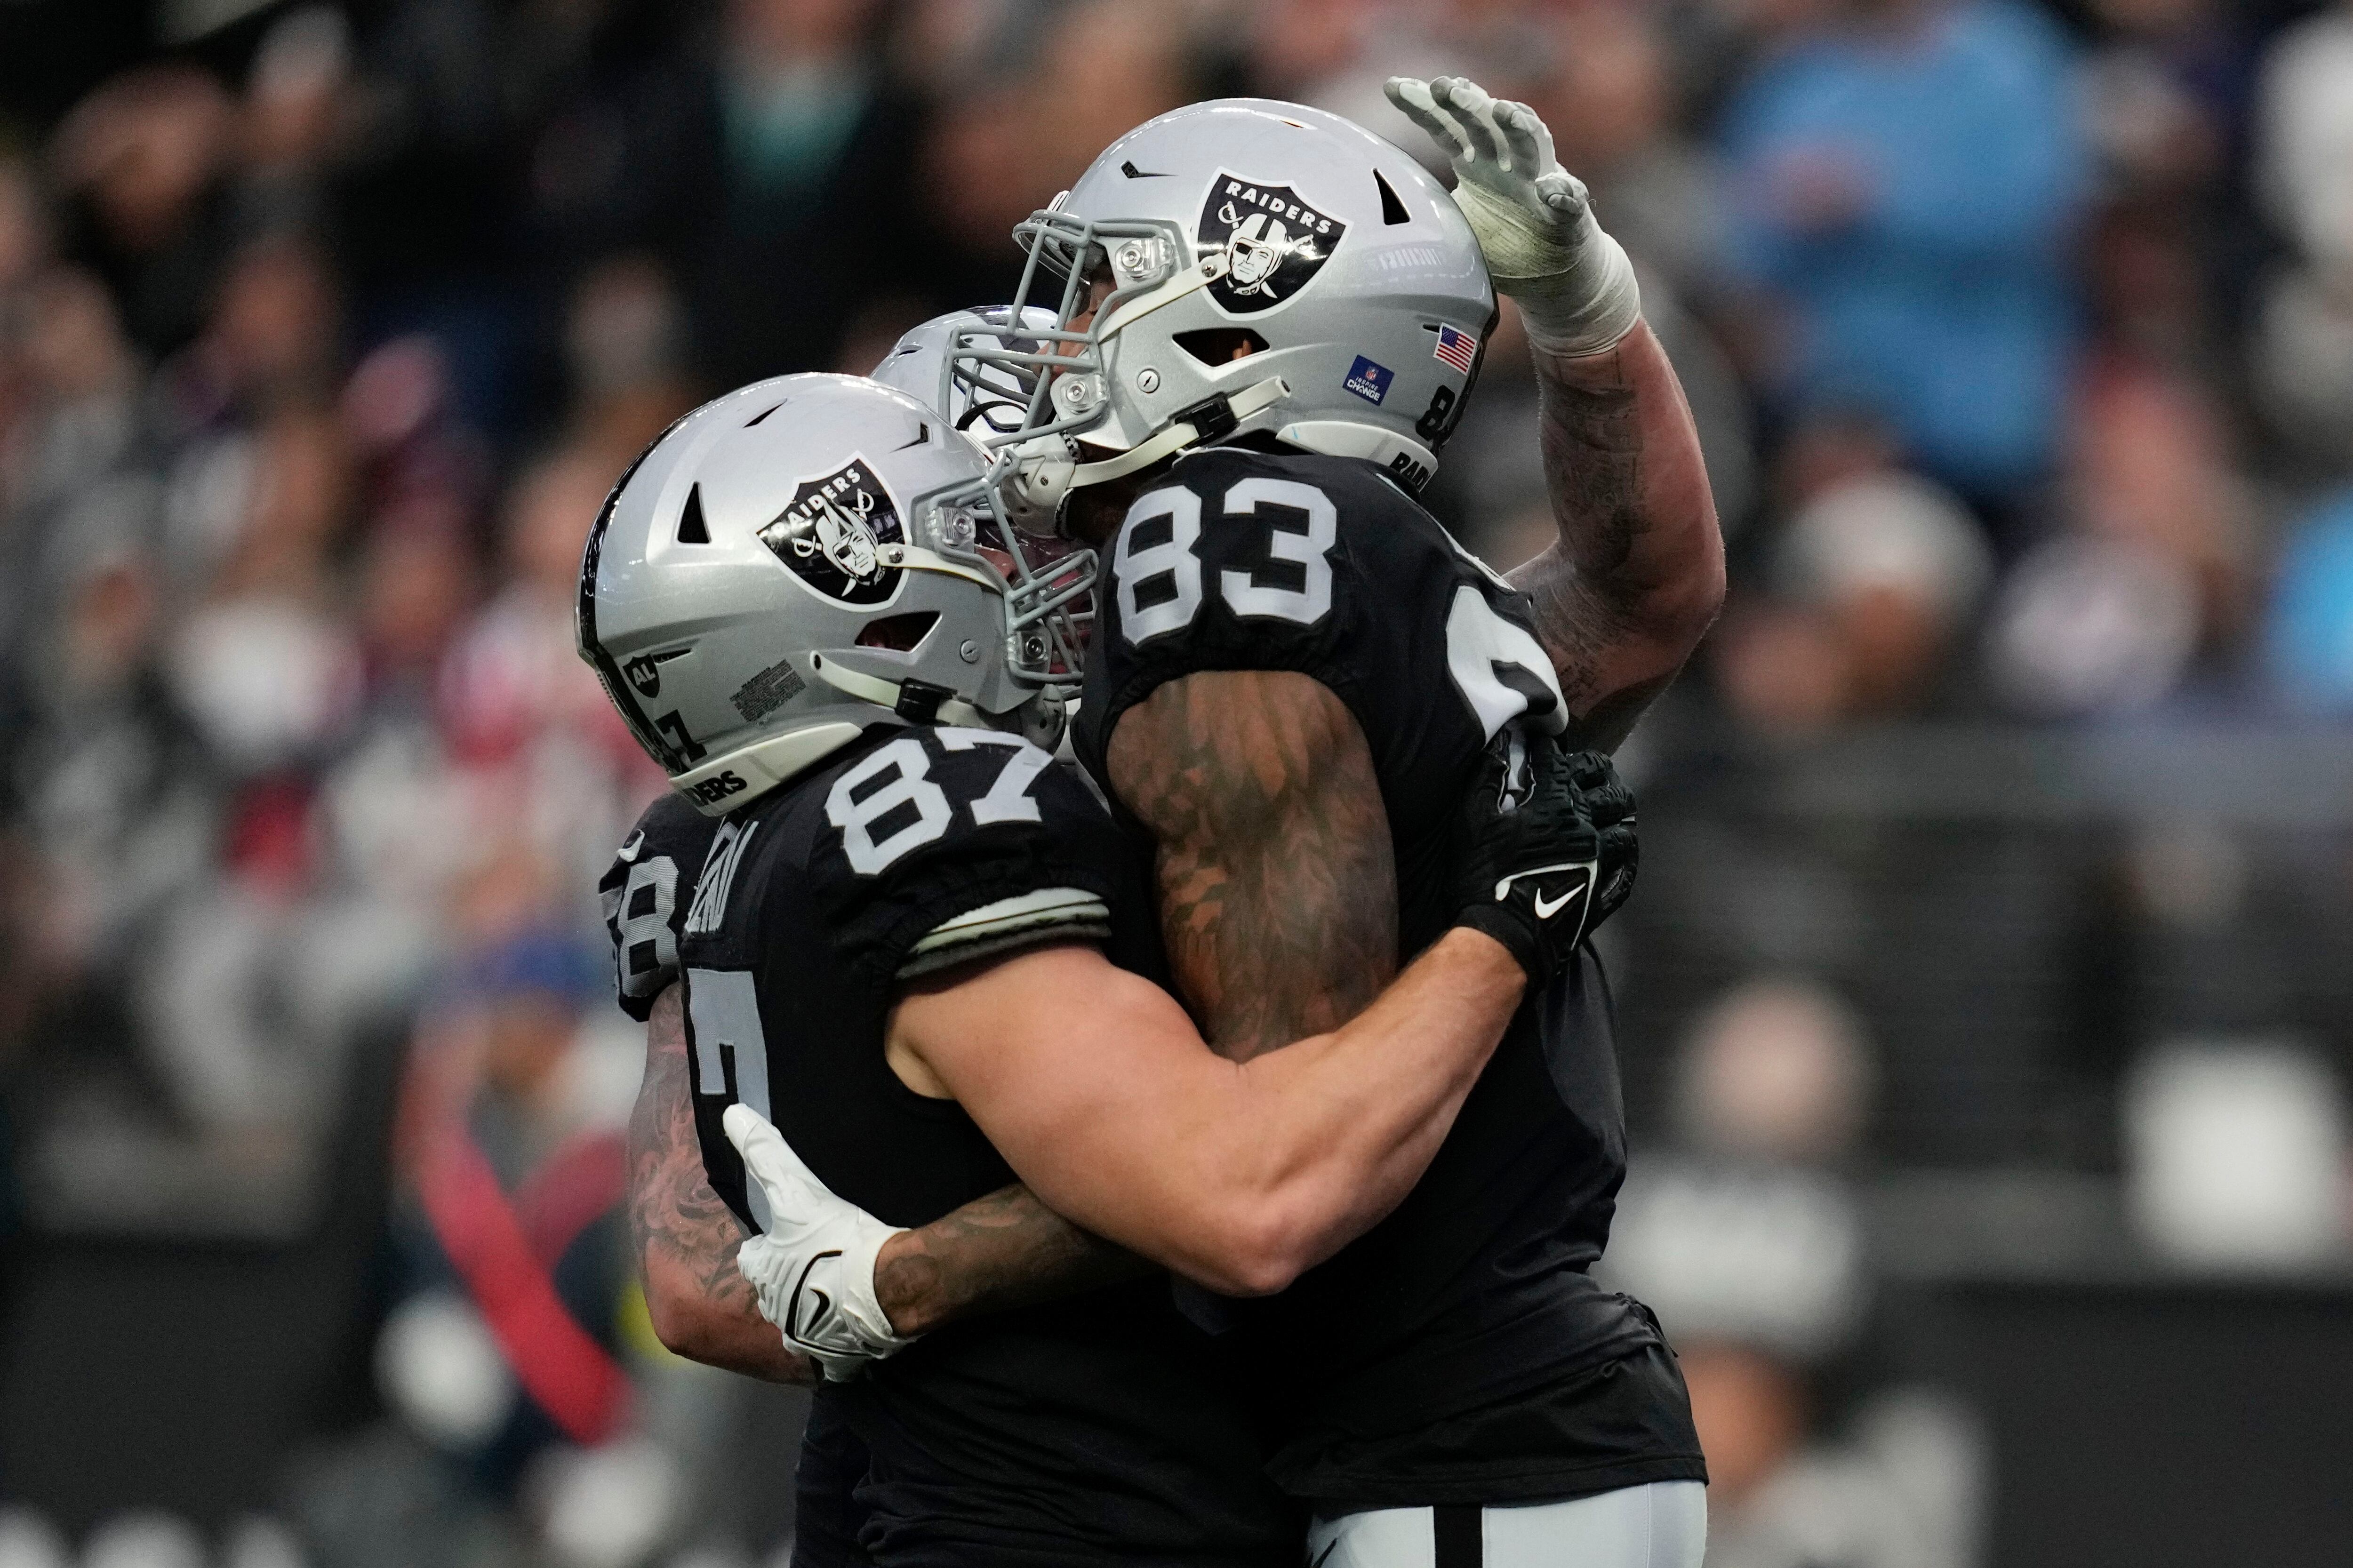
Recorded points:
(1392, 210)
(900, 634)
(692, 529)
(763, 414)
(1220, 345)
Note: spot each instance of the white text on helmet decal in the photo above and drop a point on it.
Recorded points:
(832, 531)
(1271, 242)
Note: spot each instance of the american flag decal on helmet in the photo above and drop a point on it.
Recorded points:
(1456, 348)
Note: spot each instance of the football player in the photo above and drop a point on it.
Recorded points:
(925, 951)
(1293, 670)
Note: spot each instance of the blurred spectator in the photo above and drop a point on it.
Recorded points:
(296, 114)
(625, 349)
(1873, 580)
(2110, 616)
(1613, 105)
(1028, 95)
(1748, 1242)
(774, 179)
(1903, 185)
(141, 161)
(2303, 352)
(504, 1348)
(2310, 639)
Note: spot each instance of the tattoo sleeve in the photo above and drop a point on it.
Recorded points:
(1631, 584)
(1008, 1249)
(685, 1235)
(1278, 890)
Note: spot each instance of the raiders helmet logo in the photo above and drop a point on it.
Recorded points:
(833, 532)
(1271, 243)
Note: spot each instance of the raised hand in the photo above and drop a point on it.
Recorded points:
(1534, 219)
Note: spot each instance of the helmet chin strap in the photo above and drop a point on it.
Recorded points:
(1205, 421)
(1042, 719)
(918, 700)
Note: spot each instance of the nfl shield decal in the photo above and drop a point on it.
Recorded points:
(1272, 242)
(833, 532)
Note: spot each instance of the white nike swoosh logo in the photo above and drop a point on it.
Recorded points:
(1545, 910)
(637, 841)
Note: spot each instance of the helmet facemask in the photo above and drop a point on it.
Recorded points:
(1047, 586)
(1110, 272)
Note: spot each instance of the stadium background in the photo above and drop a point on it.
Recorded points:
(1988, 995)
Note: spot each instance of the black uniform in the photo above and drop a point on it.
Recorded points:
(1097, 1429)
(1459, 1352)
(646, 893)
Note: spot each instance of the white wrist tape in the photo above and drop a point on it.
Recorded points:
(1577, 297)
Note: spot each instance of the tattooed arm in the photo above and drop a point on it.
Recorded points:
(1278, 897)
(686, 1237)
(1008, 1249)
(998, 1251)
(1626, 592)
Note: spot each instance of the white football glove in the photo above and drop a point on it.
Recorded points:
(814, 1269)
(1534, 219)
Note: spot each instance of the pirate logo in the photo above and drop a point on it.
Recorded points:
(833, 532)
(1269, 241)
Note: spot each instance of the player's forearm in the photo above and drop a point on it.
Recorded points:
(1240, 1176)
(1342, 1127)
(1005, 1250)
(1636, 575)
(682, 1236)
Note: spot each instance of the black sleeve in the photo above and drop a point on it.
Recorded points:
(947, 845)
(645, 896)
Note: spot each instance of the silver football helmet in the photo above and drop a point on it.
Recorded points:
(806, 557)
(982, 398)
(1237, 265)
(987, 395)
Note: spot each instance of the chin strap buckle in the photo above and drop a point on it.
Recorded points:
(1212, 418)
(919, 701)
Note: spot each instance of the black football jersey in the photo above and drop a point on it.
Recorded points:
(1429, 1361)
(1100, 1428)
(644, 893)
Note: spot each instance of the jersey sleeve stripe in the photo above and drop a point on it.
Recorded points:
(1045, 914)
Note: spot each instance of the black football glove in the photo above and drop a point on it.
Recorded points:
(1527, 855)
(1610, 804)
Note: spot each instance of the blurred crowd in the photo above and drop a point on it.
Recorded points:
(2020, 337)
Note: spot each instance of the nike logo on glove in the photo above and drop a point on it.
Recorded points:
(1548, 908)
(803, 1325)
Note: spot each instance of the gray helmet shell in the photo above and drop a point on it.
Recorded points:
(978, 400)
(1348, 264)
(735, 567)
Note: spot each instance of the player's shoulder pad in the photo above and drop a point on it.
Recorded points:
(643, 893)
(944, 843)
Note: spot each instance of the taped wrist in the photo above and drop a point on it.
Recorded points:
(1577, 295)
